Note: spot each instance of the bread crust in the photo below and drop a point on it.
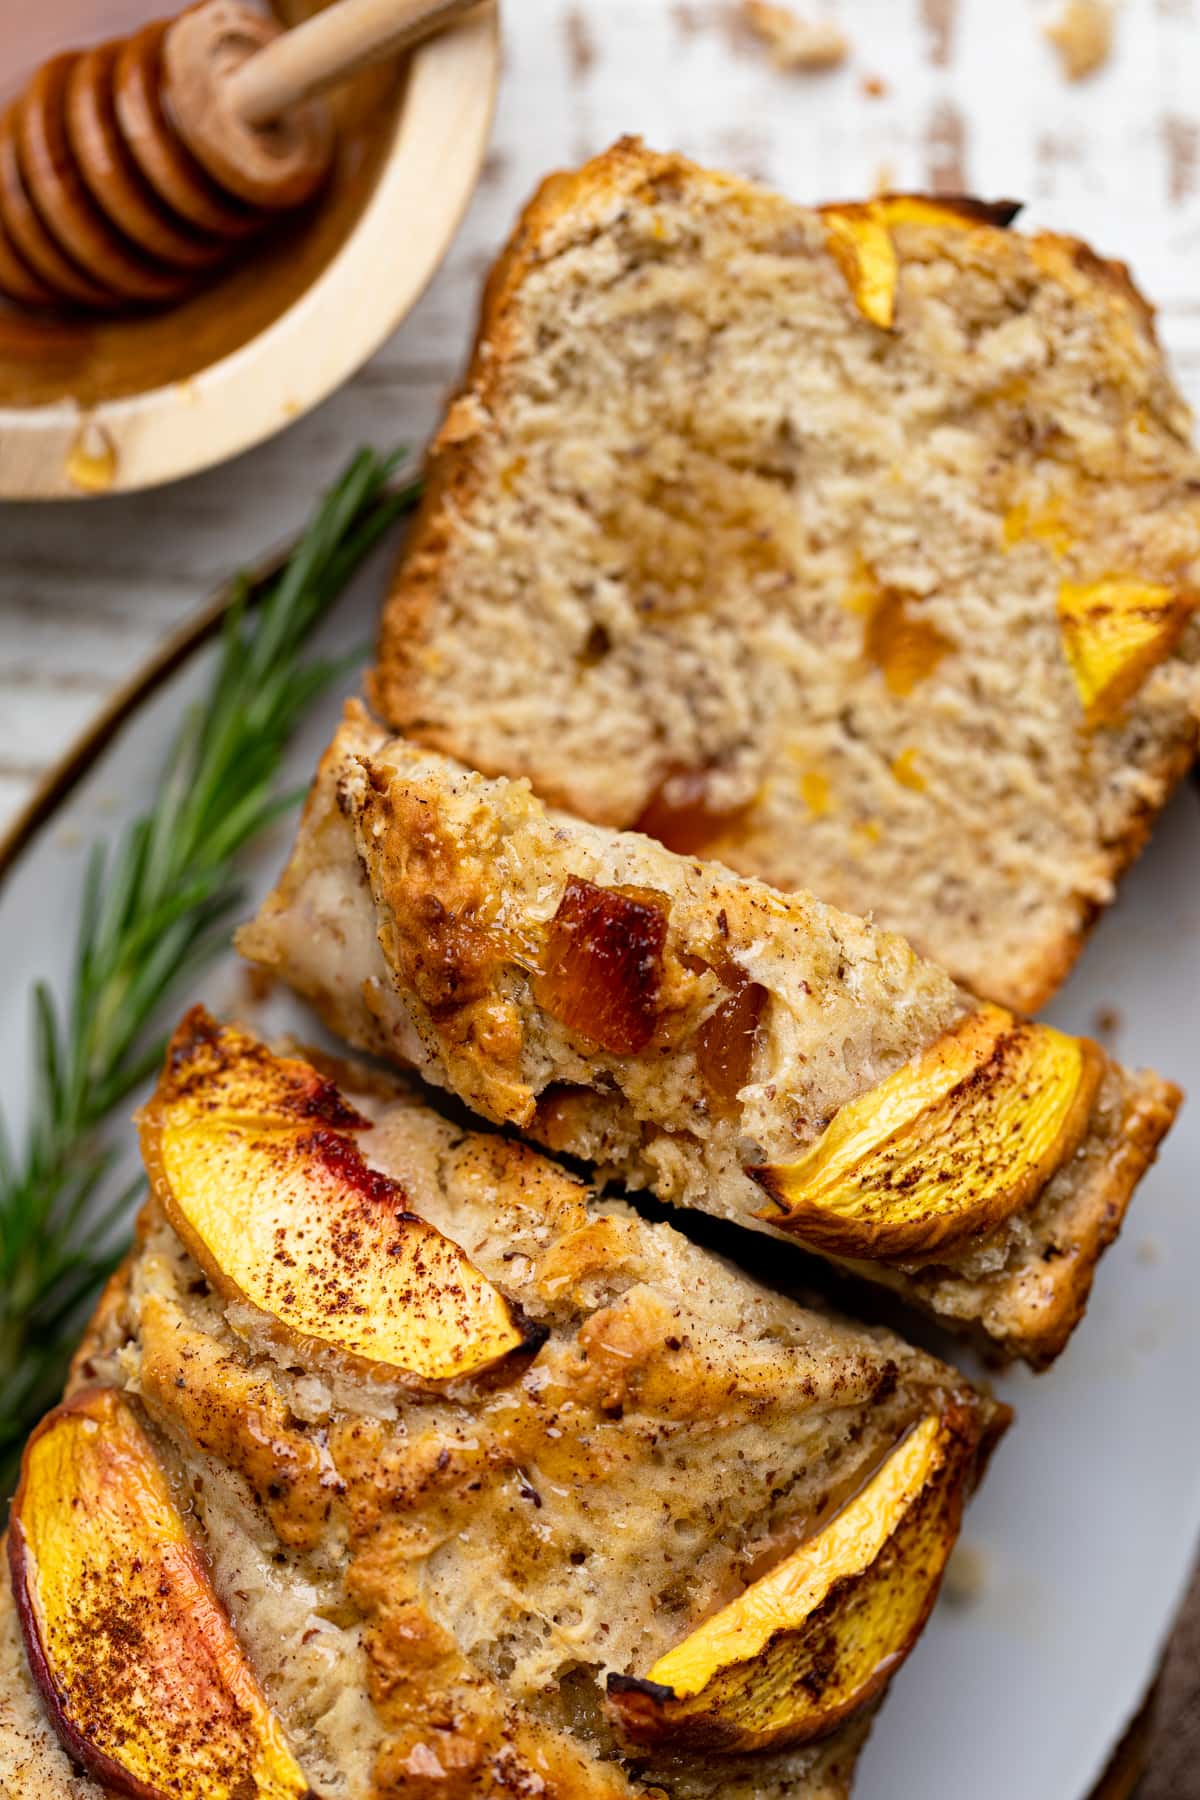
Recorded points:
(416, 625)
(428, 889)
(431, 1519)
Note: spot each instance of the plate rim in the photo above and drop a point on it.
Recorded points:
(58, 781)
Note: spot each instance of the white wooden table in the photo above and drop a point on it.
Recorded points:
(972, 99)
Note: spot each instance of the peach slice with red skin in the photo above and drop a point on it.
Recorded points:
(140, 1669)
(254, 1160)
(817, 1636)
(949, 1145)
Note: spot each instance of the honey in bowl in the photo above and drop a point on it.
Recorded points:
(89, 359)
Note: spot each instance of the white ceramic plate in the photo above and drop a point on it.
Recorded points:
(1083, 1534)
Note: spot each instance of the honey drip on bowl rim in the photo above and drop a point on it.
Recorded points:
(92, 461)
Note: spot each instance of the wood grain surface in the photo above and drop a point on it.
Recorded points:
(947, 94)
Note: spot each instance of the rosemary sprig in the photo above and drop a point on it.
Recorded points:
(153, 908)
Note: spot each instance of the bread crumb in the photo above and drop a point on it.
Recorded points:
(1149, 1252)
(1082, 33)
(1106, 1021)
(966, 1575)
(874, 87)
(258, 984)
(796, 43)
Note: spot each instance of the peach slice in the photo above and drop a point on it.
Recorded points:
(949, 1145)
(603, 964)
(859, 237)
(254, 1161)
(1114, 632)
(815, 1638)
(138, 1664)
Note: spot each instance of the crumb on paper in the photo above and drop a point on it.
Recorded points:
(1082, 33)
(796, 43)
(885, 181)
(1106, 1021)
(1149, 1252)
(69, 837)
(874, 87)
(966, 1575)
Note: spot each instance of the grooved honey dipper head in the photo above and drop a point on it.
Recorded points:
(127, 172)
(277, 164)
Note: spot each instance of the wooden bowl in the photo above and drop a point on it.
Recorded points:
(105, 406)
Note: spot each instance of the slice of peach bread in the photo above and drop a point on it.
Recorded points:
(397, 1464)
(855, 546)
(756, 1055)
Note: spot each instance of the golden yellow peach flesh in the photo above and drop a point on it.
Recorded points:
(1114, 632)
(949, 1145)
(861, 245)
(859, 237)
(254, 1161)
(816, 1637)
(903, 646)
(142, 1674)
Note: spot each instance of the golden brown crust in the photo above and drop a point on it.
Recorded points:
(106, 1325)
(1034, 986)
(1147, 1115)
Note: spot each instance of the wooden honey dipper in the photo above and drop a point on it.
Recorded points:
(129, 171)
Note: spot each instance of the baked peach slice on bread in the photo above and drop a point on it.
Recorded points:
(254, 1161)
(816, 1636)
(949, 1145)
(137, 1662)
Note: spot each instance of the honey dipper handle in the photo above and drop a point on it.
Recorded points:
(333, 44)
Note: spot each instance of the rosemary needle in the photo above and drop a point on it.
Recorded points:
(153, 908)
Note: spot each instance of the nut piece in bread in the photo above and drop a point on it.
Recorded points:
(431, 1587)
(702, 1035)
(771, 530)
